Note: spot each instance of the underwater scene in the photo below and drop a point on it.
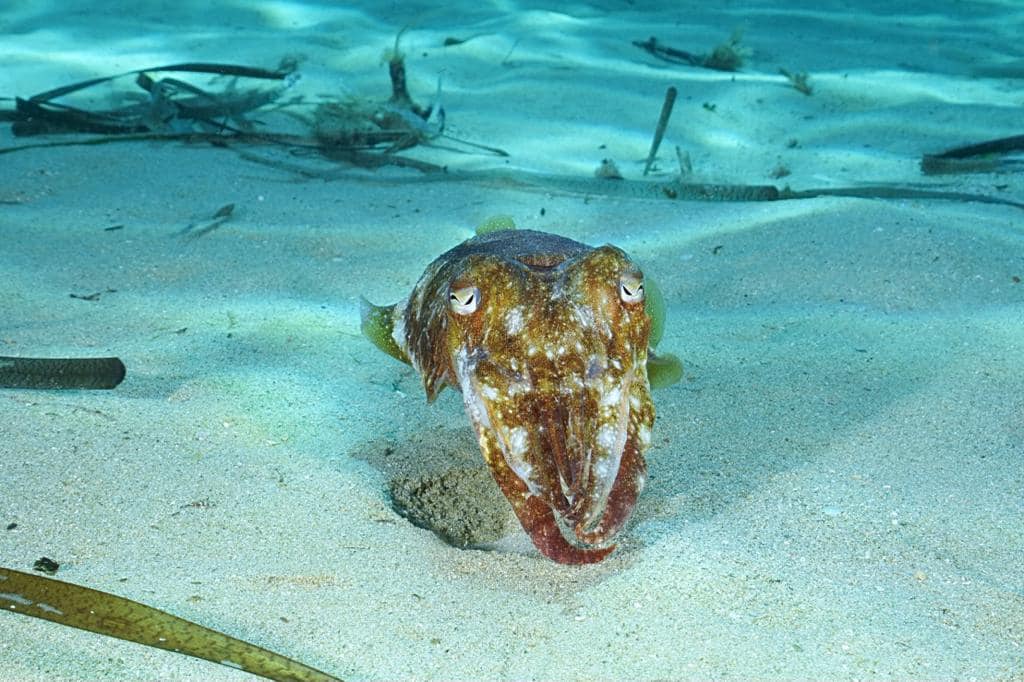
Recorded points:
(511, 340)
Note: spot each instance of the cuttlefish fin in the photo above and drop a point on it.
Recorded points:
(377, 322)
(664, 369)
(496, 223)
(654, 306)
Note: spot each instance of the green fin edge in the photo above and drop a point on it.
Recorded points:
(663, 370)
(654, 305)
(377, 322)
(496, 223)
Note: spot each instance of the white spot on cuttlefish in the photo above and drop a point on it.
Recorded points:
(517, 438)
(643, 433)
(516, 447)
(611, 397)
(606, 438)
(584, 316)
(602, 468)
(514, 321)
(475, 406)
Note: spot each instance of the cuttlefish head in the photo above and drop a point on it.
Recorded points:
(550, 354)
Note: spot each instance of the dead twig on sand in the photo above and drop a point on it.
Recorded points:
(659, 131)
(727, 56)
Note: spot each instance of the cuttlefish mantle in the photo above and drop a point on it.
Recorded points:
(549, 341)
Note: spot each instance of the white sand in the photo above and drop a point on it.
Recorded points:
(835, 489)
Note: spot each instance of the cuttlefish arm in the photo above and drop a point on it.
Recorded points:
(547, 340)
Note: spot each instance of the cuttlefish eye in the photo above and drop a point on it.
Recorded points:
(464, 300)
(631, 288)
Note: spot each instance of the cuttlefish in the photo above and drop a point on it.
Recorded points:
(549, 341)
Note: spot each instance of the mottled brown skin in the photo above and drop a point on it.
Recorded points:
(547, 339)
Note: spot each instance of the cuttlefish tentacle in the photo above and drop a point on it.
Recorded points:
(537, 518)
(547, 339)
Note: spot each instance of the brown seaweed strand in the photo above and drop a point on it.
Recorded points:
(107, 614)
